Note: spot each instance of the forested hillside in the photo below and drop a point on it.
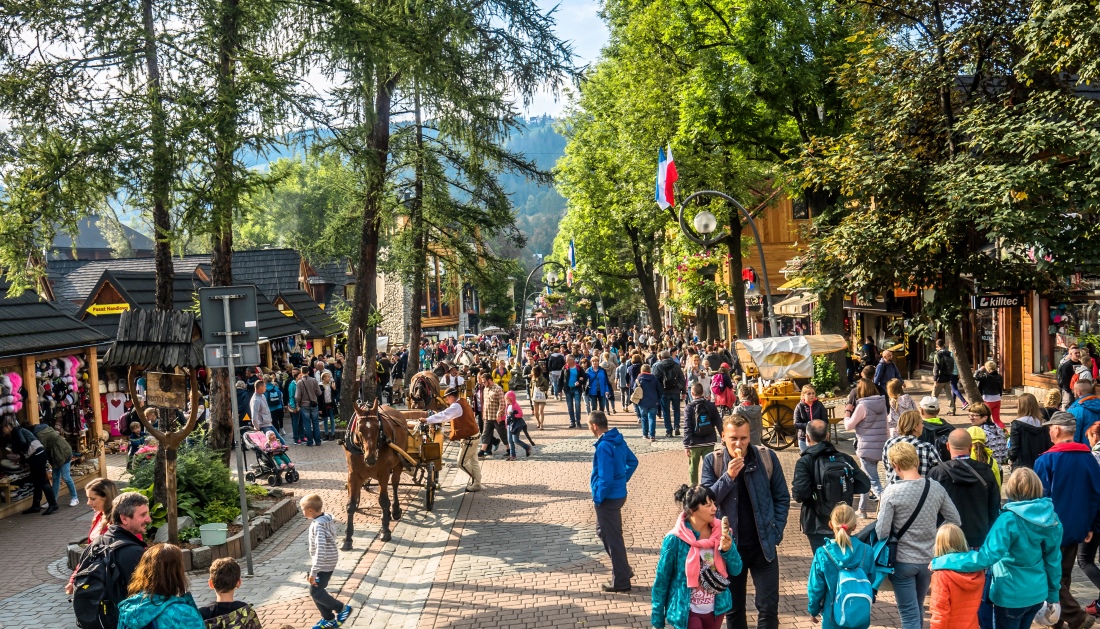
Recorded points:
(539, 209)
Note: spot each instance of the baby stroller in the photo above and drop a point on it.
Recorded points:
(255, 441)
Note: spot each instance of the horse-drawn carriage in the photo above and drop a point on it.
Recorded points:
(776, 362)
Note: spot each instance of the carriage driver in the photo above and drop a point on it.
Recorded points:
(464, 429)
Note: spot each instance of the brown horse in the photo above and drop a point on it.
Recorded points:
(370, 457)
(423, 391)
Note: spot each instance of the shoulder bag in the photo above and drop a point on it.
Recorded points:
(892, 542)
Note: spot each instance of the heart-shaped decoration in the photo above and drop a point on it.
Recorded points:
(116, 402)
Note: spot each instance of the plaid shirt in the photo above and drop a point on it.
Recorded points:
(492, 402)
(926, 453)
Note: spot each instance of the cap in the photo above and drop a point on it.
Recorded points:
(930, 403)
(1061, 418)
(725, 365)
(977, 435)
(451, 391)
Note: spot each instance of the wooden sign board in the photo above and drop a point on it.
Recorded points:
(166, 390)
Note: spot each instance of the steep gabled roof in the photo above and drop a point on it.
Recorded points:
(29, 325)
(139, 290)
(307, 310)
(75, 283)
(272, 271)
(156, 338)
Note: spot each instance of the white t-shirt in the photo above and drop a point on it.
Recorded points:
(702, 601)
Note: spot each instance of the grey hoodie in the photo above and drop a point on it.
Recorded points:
(322, 545)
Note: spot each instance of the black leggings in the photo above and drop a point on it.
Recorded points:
(1086, 559)
(38, 464)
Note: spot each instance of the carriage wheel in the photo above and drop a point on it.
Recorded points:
(779, 431)
(429, 487)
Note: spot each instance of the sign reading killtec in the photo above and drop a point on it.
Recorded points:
(997, 301)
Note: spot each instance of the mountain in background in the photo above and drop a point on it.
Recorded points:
(539, 209)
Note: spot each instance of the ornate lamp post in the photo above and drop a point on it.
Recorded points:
(705, 224)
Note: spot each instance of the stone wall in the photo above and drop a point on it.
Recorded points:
(394, 301)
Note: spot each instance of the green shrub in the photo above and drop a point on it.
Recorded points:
(189, 533)
(254, 490)
(218, 511)
(825, 377)
(202, 480)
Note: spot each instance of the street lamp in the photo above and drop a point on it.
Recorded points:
(552, 280)
(705, 224)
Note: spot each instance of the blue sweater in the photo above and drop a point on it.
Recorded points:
(1087, 412)
(176, 612)
(671, 595)
(612, 466)
(651, 390)
(1071, 478)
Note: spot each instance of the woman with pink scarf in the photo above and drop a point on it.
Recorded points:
(691, 590)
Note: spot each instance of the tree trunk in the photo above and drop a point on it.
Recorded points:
(420, 247)
(953, 333)
(833, 323)
(224, 203)
(362, 336)
(161, 158)
(644, 272)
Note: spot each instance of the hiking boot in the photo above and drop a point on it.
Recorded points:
(473, 487)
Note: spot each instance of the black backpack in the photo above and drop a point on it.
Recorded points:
(97, 587)
(945, 363)
(834, 483)
(668, 378)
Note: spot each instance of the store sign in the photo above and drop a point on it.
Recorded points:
(997, 301)
(287, 311)
(167, 390)
(107, 309)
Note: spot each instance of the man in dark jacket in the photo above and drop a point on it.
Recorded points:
(972, 487)
(129, 517)
(1071, 479)
(701, 423)
(886, 371)
(804, 485)
(673, 385)
(1065, 375)
(612, 466)
(752, 493)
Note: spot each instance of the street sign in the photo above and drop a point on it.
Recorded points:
(166, 390)
(247, 355)
(997, 301)
(242, 312)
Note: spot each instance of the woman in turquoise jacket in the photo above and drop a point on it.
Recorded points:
(1023, 547)
(684, 584)
(158, 594)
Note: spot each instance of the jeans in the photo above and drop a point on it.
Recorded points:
(1072, 614)
(802, 445)
(62, 474)
(609, 400)
(328, 421)
(765, 579)
(310, 425)
(277, 415)
(649, 421)
(555, 382)
(911, 583)
(624, 398)
(573, 405)
(871, 469)
(673, 400)
(955, 393)
(1086, 559)
(38, 465)
(597, 402)
(515, 439)
(326, 604)
(296, 426)
(609, 528)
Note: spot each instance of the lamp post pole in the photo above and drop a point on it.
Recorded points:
(706, 223)
(552, 280)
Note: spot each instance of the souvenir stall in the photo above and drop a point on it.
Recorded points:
(48, 376)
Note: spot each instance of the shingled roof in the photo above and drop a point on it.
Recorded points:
(75, 283)
(272, 271)
(30, 326)
(156, 338)
(307, 310)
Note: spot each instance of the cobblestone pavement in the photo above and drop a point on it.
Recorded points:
(521, 553)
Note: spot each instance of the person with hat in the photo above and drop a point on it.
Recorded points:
(463, 429)
(1071, 479)
(935, 429)
(1085, 408)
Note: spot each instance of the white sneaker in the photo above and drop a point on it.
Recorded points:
(75, 501)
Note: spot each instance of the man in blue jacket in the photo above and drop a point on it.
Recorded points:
(612, 466)
(1085, 409)
(886, 371)
(1071, 478)
(752, 492)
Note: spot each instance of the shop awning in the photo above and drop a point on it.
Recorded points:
(29, 325)
(797, 282)
(797, 305)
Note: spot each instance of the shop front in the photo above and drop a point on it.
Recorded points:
(1051, 324)
(884, 320)
(49, 375)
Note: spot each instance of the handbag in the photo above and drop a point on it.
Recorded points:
(712, 581)
(892, 542)
(539, 395)
(637, 395)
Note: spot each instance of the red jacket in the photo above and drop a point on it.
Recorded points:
(956, 597)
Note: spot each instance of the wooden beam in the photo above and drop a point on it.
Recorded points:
(92, 358)
(30, 383)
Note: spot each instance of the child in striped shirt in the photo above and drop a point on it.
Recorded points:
(323, 553)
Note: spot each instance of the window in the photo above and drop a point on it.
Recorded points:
(799, 210)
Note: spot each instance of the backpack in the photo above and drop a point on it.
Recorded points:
(669, 380)
(945, 364)
(852, 599)
(703, 420)
(97, 588)
(718, 384)
(58, 451)
(274, 397)
(720, 459)
(834, 483)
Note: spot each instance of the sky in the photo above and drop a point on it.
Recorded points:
(578, 22)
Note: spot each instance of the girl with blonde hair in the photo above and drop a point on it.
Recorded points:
(846, 551)
(956, 596)
(900, 401)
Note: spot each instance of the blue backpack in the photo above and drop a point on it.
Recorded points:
(853, 596)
